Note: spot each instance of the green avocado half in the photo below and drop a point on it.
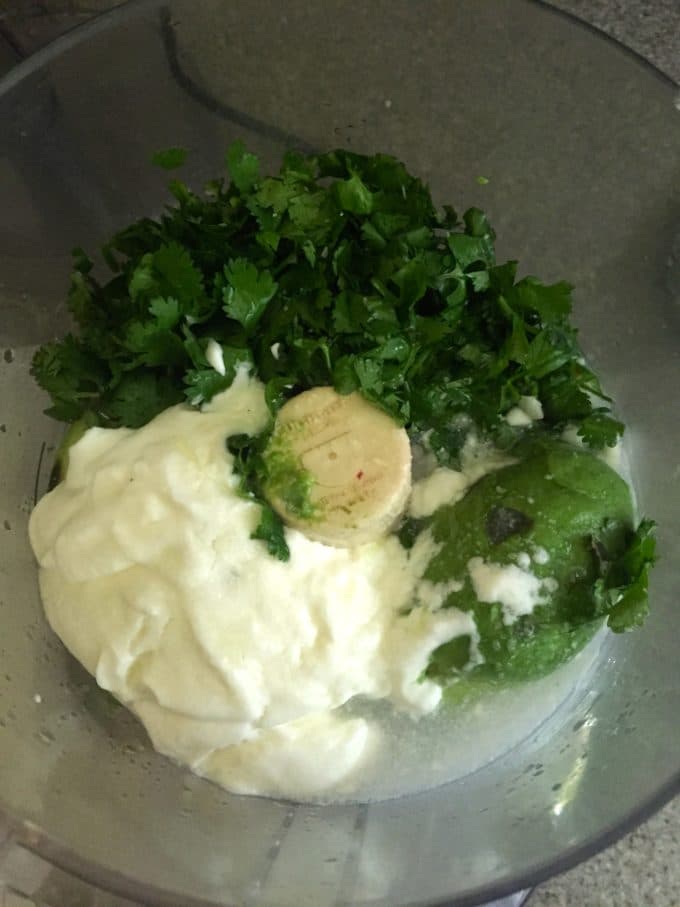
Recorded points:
(558, 498)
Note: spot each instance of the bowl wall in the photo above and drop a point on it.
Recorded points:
(579, 143)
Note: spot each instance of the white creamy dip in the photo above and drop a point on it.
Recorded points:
(528, 410)
(447, 486)
(237, 663)
(515, 588)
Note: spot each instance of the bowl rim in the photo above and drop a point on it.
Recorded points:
(129, 9)
(33, 838)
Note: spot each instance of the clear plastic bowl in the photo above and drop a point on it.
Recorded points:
(579, 142)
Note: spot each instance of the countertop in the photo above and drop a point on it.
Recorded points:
(644, 867)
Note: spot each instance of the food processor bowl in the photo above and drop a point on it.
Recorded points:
(577, 142)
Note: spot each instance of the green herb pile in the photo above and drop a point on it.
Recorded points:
(339, 271)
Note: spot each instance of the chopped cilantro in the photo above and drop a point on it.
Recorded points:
(343, 261)
(621, 592)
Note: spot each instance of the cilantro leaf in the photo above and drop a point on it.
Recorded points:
(169, 158)
(599, 429)
(621, 593)
(412, 280)
(73, 377)
(551, 302)
(243, 166)
(142, 279)
(154, 345)
(369, 373)
(354, 196)
(80, 297)
(271, 530)
(177, 275)
(469, 250)
(247, 291)
(139, 396)
(166, 312)
(544, 356)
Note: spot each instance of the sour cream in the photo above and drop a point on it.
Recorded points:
(237, 663)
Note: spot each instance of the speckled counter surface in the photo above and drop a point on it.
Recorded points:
(644, 867)
(649, 27)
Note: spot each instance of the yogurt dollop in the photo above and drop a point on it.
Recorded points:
(237, 663)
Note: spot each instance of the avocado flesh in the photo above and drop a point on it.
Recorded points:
(558, 498)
